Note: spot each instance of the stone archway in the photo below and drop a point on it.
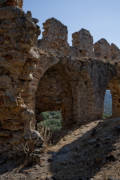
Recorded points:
(107, 113)
(54, 93)
(50, 72)
(72, 93)
(63, 87)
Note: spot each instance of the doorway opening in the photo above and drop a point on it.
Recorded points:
(107, 113)
(51, 120)
(49, 124)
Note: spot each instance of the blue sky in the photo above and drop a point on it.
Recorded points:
(100, 17)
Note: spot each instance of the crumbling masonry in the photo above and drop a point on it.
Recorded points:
(48, 74)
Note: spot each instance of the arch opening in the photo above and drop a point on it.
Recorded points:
(54, 97)
(107, 113)
(51, 120)
(113, 99)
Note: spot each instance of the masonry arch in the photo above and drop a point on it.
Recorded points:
(69, 91)
(54, 94)
(107, 113)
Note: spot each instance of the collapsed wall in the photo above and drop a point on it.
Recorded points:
(18, 56)
(76, 84)
(48, 74)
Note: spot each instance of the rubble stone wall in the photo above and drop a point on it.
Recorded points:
(86, 69)
(48, 74)
(18, 40)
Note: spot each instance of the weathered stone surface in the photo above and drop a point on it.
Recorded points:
(115, 52)
(54, 35)
(76, 88)
(18, 40)
(102, 49)
(48, 74)
(83, 41)
(15, 3)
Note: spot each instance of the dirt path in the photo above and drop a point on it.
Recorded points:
(90, 152)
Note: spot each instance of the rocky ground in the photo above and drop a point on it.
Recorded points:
(90, 152)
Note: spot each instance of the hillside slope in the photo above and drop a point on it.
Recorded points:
(90, 152)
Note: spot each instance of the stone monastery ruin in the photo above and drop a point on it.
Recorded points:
(48, 74)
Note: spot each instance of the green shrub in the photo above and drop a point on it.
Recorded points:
(52, 120)
(106, 116)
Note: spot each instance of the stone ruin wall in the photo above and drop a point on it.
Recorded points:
(18, 56)
(76, 85)
(48, 74)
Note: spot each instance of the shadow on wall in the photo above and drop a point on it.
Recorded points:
(114, 88)
(85, 157)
